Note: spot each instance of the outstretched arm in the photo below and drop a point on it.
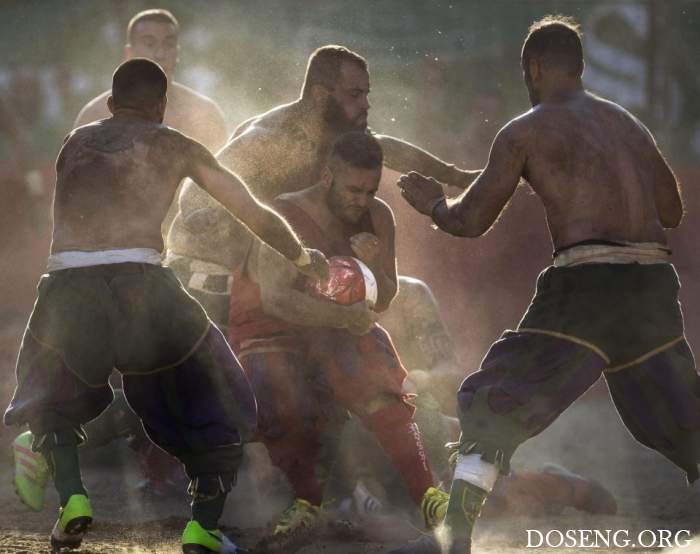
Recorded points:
(403, 157)
(474, 211)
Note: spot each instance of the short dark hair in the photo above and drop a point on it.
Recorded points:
(138, 83)
(358, 149)
(555, 42)
(323, 67)
(159, 16)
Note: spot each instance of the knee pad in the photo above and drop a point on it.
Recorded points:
(210, 485)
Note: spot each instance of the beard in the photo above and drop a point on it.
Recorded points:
(337, 119)
(339, 210)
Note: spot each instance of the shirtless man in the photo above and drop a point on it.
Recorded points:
(608, 305)
(154, 34)
(107, 303)
(277, 152)
(151, 34)
(301, 354)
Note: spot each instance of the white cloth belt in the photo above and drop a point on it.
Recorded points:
(626, 253)
(76, 258)
(200, 270)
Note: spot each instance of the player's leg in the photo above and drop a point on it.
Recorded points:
(658, 400)
(290, 424)
(201, 411)
(525, 382)
(365, 376)
(67, 329)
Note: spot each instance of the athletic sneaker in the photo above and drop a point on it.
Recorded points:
(299, 515)
(31, 472)
(365, 502)
(197, 540)
(433, 507)
(429, 544)
(74, 520)
(588, 495)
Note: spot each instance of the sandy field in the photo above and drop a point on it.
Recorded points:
(653, 498)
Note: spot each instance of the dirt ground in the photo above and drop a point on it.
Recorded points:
(652, 496)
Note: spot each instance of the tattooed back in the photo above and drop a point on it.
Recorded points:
(116, 179)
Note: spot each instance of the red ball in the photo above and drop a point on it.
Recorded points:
(350, 281)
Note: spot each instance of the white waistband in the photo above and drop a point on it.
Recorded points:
(633, 252)
(75, 258)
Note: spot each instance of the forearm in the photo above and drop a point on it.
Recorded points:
(403, 157)
(386, 290)
(297, 307)
(452, 216)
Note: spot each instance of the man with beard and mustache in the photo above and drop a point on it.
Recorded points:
(306, 357)
(608, 305)
(280, 151)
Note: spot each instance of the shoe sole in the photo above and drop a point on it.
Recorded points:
(76, 526)
(195, 549)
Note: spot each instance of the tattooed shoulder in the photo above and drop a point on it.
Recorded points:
(111, 139)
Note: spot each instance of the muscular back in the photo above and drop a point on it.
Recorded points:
(596, 169)
(116, 179)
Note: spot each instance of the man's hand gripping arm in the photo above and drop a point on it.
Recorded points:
(283, 300)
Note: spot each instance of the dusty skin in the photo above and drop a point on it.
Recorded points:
(651, 493)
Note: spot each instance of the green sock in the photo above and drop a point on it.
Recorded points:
(61, 453)
(463, 508)
(207, 510)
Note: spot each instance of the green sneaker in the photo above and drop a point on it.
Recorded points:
(299, 515)
(433, 507)
(74, 520)
(31, 472)
(197, 540)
